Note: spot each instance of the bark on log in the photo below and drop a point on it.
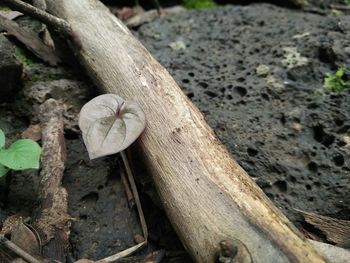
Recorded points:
(206, 194)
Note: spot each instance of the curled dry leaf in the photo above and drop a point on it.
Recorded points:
(26, 239)
(110, 124)
(33, 132)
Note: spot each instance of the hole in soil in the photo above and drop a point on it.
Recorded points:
(190, 95)
(90, 198)
(185, 81)
(317, 184)
(82, 217)
(100, 187)
(265, 96)
(203, 84)
(308, 187)
(322, 137)
(293, 179)
(270, 196)
(338, 122)
(191, 74)
(211, 94)
(281, 186)
(283, 119)
(71, 135)
(341, 143)
(312, 166)
(241, 91)
(252, 152)
(339, 160)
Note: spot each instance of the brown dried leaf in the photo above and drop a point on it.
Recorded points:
(110, 124)
(24, 237)
(30, 40)
(33, 132)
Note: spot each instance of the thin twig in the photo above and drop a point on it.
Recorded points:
(19, 251)
(128, 191)
(157, 5)
(58, 24)
(136, 195)
(124, 253)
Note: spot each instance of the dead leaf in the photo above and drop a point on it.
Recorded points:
(142, 18)
(126, 12)
(24, 237)
(110, 124)
(336, 231)
(33, 132)
(10, 14)
(30, 40)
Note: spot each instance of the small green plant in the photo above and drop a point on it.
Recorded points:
(337, 82)
(199, 4)
(22, 154)
(347, 2)
(22, 57)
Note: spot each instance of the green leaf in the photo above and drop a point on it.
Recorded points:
(2, 139)
(340, 72)
(3, 170)
(22, 154)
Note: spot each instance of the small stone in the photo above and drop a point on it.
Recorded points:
(271, 80)
(296, 126)
(262, 70)
(292, 58)
(177, 45)
(139, 239)
(10, 70)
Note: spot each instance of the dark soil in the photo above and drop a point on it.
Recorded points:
(256, 72)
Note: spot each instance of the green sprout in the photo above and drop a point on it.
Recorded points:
(337, 82)
(22, 154)
(198, 4)
(347, 2)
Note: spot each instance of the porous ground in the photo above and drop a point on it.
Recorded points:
(257, 74)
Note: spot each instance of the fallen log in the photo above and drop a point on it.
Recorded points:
(215, 207)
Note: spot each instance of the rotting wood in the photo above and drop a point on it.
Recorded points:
(51, 219)
(206, 194)
(336, 231)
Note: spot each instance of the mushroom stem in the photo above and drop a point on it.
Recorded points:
(135, 193)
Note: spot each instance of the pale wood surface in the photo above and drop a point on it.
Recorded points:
(206, 194)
